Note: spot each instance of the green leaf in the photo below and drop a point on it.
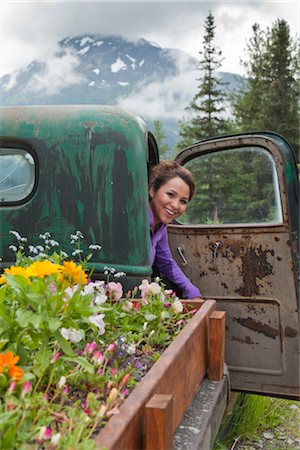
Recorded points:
(24, 318)
(41, 361)
(54, 324)
(64, 345)
(150, 317)
(5, 418)
(82, 361)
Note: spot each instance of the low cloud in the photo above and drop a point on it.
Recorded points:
(165, 100)
(58, 73)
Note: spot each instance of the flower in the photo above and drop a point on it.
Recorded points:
(44, 268)
(8, 365)
(72, 274)
(71, 334)
(144, 288)
(99, 322)
(154, 288)
(177, 306)
(62, 382)
(55, 439)
(114, 290)
(26, 388)
(15, 270)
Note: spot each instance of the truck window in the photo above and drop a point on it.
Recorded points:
(17, 175)
(233, 187)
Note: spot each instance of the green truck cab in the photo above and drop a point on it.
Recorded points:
(69, 168)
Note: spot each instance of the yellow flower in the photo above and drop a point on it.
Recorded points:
(44, 268)
(8, 365)
(14, 270)
(72, 274)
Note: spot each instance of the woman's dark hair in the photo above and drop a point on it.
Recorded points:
(165, 171)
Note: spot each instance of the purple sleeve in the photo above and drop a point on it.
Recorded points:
(168, 266)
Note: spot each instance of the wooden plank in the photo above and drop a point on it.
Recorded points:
(178, 372)
(216, 345)
(158, 420)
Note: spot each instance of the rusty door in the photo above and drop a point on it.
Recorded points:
(237, 242)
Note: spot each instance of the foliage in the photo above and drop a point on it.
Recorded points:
(71, 348)
(207, 107)
(160, 138)
(251, 415)
(270, 100)
(233, 186)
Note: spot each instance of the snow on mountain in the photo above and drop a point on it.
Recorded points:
(155, 82)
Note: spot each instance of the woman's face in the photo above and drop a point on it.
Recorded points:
(169, 201)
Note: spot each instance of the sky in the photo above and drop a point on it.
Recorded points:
(31, 29)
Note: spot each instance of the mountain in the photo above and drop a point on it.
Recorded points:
(157, 83)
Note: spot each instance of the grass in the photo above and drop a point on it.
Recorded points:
(250, 415)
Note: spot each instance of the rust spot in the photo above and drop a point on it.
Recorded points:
(247, 340)
(254, 267)
(290, 332)
(257, 327)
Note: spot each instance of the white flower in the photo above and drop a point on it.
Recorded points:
(100, 299)
(131, 349)
(16, 234)
(99, 322)
(77, 252)
(71, 334)
(70, 291)
(95, 247)
(13, 248)
(154, 288)
(55, 438)
(53, 243)
(127, 306)
(62, 382)
(88, 289)
(177, 306)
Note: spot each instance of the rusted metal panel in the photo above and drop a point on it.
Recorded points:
(250, 269)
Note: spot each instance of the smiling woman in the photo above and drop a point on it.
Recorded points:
(171, 187)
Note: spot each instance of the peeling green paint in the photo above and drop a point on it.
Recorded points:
(92, 177)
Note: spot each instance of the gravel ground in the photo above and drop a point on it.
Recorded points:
(285, 436)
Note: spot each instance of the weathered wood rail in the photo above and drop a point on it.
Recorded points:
(152, 412)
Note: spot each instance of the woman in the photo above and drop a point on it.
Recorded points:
(171, 187)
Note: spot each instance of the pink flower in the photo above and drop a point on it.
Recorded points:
(12, 387)
(44, 434)
(26, 388)
(114, 290)
(98, 357)
(55, 357)
(144, 288)
(111, 347)
(113, 370)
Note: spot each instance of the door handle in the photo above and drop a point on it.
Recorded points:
(180, 250)
(217, 246)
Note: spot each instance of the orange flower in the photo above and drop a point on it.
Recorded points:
(72, 274)
(44, 268)
(8, 365)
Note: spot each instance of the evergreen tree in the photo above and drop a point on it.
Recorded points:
(207, 107)
(160, 138)
(271, 99)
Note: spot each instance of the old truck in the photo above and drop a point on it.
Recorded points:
(67, 168)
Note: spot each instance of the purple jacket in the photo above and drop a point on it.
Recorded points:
(160, 253)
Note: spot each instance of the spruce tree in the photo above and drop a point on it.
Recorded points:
(207, 107)
(160, 139)
(271, 98)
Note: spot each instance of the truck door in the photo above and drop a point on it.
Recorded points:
(237, 242)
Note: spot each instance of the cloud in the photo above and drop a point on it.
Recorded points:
(164, 100)
(58, 73)
(29, 28)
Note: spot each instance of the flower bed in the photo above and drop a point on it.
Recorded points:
(71, 350)
(177, 374)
